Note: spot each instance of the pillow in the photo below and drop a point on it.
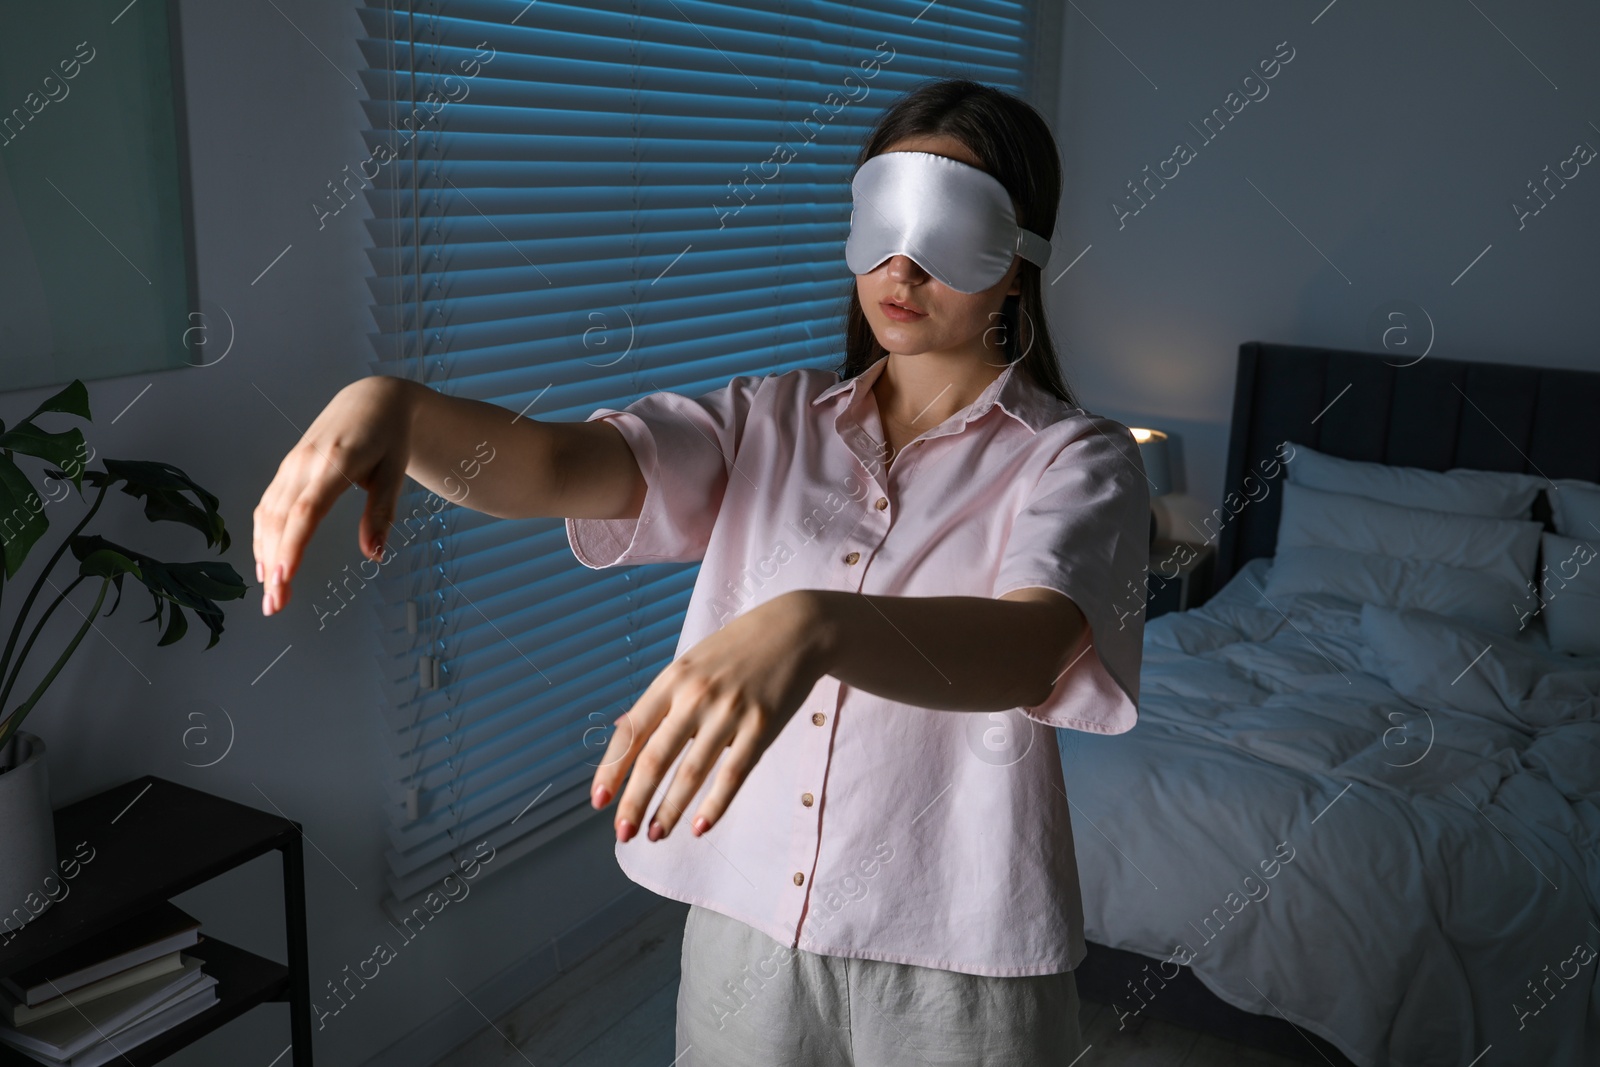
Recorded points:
(1491, 494)
(1569, 586)
(1504, 547)
(1575, 507)
(1477, 597)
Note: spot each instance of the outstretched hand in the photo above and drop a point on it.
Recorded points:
(734, 690)
(361, 440)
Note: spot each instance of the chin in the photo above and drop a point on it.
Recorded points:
(901, 346)
(891, 328)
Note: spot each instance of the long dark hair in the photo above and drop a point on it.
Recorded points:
(1016, 148)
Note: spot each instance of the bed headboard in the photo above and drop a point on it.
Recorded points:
(1433, 413)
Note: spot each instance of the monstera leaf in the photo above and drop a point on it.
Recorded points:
(22, 520)
(173, 586)
(72, 400)
(22, 516)
(166, 491)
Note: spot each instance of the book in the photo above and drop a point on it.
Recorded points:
(142, 1030)
(162, 929)
(66, 1034)
(15, 1013)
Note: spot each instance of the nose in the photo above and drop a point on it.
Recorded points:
(903, 267)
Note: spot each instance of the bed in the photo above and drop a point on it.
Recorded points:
(1331, 816)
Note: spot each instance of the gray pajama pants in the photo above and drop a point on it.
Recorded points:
(745, 1000)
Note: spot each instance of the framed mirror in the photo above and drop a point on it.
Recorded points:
(97, 265)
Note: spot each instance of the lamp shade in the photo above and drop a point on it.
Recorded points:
(1153, 452)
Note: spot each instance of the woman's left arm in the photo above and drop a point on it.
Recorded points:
(949, 653)
(738, 687)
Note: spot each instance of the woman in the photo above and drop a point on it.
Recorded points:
(908, 566)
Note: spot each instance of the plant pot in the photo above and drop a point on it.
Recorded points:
(27, 832)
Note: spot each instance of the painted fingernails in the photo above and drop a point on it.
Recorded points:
(602, 796)
(261, 571)
(700, 825)
(656, 832)
(625, 829)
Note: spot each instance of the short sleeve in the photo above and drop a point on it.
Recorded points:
(685, 448)
(1085, 532)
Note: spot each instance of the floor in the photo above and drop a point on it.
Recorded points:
(617, 1009)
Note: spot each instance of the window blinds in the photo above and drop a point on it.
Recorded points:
(573, 204)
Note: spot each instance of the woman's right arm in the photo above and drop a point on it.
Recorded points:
(378, 430)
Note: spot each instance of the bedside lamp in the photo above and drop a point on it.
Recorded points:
(1153, 452)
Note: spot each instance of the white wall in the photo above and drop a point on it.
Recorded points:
(272, 119)
(1395, 140)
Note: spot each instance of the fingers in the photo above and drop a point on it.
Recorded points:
(708, 743)
(295, 523)
(258, 540)
(633, 733)
(383, 495)
(678, 709)
(267, 525)
(742, 753)
(650, 768)
(608, 772)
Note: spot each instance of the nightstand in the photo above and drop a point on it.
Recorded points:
(1180, 576)
(153, 839)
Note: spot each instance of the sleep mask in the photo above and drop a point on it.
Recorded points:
(954, 220)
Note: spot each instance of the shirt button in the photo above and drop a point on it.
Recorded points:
(882, 503)
(799, 879)
(817, 718)
(806, 798)
(852, 557)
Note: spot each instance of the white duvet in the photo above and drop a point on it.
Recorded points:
(1381, 825)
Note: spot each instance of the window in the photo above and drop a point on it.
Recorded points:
(573, 205)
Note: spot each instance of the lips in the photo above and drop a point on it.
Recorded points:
(899, 311)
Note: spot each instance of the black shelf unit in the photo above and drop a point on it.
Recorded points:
(154, 839)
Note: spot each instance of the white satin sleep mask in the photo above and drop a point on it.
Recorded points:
(954, 220)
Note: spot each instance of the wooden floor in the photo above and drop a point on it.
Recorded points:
(617, 1009)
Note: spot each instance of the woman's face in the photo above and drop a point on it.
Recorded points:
(940, 318)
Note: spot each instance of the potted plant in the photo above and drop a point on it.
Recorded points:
(27, 825)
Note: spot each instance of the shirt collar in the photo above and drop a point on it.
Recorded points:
(1013, 391)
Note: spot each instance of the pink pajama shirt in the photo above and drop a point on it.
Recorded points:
(871, 828)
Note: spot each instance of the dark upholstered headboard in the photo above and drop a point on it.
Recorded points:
(1433, 413)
